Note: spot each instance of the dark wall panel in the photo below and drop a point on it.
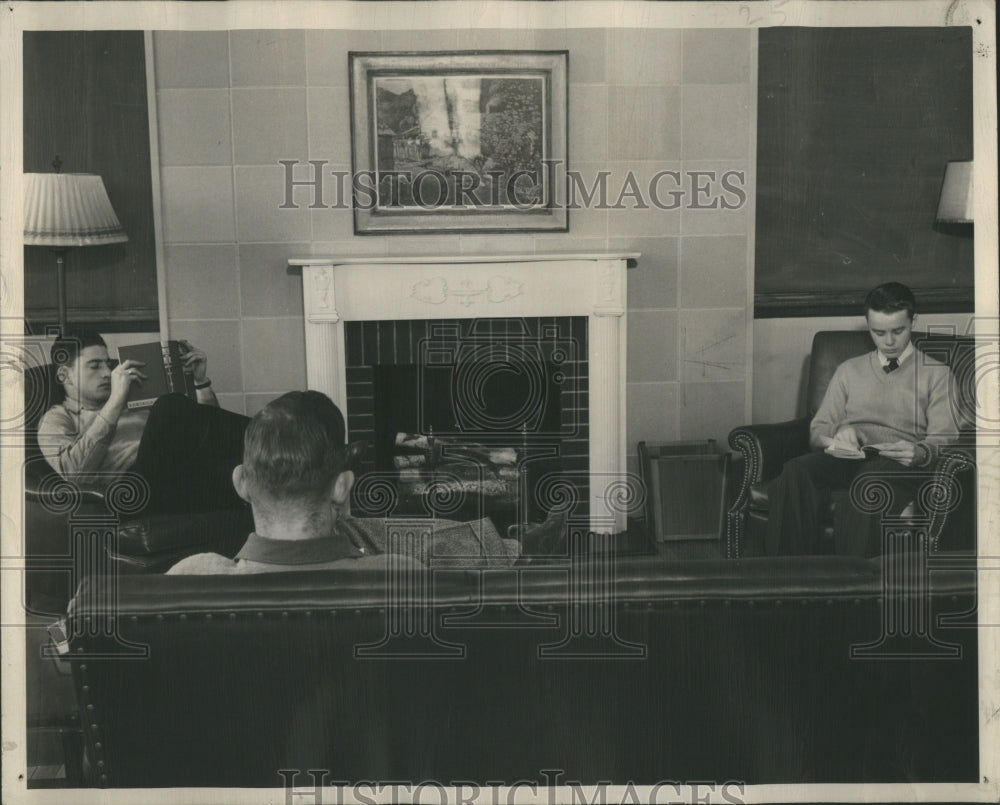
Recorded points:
(855, 127)
(85, 101)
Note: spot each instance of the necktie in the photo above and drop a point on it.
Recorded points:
(891, 366)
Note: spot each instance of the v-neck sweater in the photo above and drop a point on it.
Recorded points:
(911, 404)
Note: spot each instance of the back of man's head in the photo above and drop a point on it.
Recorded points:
(294, 447)
(891, 297)
(68, 346)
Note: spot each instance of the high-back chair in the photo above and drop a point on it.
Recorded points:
(765, 448)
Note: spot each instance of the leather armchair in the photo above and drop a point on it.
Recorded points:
(67, 529)
(950, 508)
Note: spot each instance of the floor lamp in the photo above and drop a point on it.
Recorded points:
(62, 210)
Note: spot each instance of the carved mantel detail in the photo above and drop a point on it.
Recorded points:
(322, 306)
(436, 291)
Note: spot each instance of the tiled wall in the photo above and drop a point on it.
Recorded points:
(231, 104)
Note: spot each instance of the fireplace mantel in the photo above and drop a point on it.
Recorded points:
(341, 289)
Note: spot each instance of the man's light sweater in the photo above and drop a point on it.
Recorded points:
(911, 404)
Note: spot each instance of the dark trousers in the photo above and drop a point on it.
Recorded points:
(800, 496)
(187, 455)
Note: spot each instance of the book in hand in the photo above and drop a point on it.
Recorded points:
(846, 450)
(164, 372)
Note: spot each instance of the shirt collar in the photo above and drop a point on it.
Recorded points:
(884, 361)
(75, 407)
(298, 551)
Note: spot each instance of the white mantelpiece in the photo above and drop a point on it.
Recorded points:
(379, 289)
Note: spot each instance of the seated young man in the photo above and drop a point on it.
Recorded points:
(296, 476)
(894, 400)
(184, 451)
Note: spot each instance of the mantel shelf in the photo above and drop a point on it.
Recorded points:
(631, 259)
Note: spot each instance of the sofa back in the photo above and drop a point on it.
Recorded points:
(830, 348)
(649, 671)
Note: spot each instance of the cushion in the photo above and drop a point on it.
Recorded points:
(442, 543)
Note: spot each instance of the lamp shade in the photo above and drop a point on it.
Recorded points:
(69, 209)
(955, 206)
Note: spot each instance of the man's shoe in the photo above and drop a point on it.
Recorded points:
(542, 539)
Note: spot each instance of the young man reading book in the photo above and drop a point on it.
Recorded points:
(184, 450)
(891, 406)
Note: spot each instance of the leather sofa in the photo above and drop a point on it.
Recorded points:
(948, 511)
(760, 670)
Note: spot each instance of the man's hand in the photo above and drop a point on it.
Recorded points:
(195, 361)
(847, 435)
(122, 377)
(903, 452)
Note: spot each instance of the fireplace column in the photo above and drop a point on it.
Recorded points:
(606, 343)
(325, 360)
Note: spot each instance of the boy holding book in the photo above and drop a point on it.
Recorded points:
(892, 405)
(184, 450)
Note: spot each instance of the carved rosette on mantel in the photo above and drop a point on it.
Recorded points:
(339, 290)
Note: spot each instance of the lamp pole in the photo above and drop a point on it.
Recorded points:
(61, 287)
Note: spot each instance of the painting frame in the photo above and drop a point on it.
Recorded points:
(426, 147)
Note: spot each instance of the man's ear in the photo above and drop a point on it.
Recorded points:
(63, 374)
(342, 485)
(240, 483)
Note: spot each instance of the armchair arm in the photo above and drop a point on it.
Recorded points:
(765, 449)
(51, 492)
(954, 477)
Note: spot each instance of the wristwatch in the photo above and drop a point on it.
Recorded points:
(925, 459)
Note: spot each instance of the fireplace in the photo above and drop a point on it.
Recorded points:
(488, 386)
(470, 418)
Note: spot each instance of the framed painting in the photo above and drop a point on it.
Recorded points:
(459, 141)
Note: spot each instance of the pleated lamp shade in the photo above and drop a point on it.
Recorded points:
(955, 206)
(69, 209)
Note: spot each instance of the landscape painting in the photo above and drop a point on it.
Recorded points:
(458, 142)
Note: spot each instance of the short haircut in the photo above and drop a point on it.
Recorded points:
(68, 346)
(891, 297)
(294, 447)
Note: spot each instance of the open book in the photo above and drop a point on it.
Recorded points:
(839, 449)
(164, 372)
